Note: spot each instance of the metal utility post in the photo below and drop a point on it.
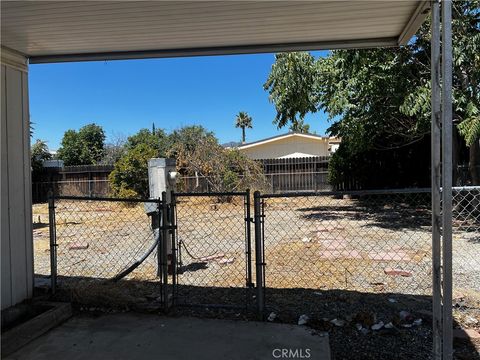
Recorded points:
(436, 182)
(162, 179)
(447, 177)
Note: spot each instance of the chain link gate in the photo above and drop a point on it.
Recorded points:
(108, 250)
(213, 251)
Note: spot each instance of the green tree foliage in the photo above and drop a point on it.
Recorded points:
(39, 152)
(292, 87)
(300, 126)
(156, 139)
(85, 147)
(130, 177)
(186, 138)
(197, 152)
(379, 100)
(243, 121)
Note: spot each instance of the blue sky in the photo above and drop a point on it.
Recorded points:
(125, 96)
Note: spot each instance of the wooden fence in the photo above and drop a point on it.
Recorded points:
(290, 174)
(88, 180)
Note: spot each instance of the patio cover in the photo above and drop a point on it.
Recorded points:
(53, 31)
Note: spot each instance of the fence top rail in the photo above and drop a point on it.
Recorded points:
(465, 188)
(231, 193)
(346, 192)
(95, 198)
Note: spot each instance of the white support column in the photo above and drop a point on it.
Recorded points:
(16, 208)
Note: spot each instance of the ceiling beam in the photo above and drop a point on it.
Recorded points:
(222, 50)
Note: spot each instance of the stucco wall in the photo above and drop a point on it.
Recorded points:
(287, 147)
(16, 209)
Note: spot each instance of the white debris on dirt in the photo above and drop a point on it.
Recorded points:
(417, 322)
(338, 322)
(392, 300)
(272, 316)
(405, 315)
(389, 325)
(378, 325)
(469, 320)
(303, 319)
(212, 257)
(226, 261)
(359, 326)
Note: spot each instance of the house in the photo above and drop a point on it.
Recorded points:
(290, 145)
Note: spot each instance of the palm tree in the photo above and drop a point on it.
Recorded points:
(243, 121)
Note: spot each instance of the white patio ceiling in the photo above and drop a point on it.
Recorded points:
(49, 31)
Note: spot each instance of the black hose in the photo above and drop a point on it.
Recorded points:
(138, 262)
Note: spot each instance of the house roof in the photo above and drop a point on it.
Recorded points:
(53, 31)
(281, 137)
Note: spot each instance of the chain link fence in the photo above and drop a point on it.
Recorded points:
(360, 241)
(323, 253)
(364, 258)
(213, 248)
(466, 240)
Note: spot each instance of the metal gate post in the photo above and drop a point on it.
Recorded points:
(53, 241)
(248, 234)
(163, 247)
(259, 255)
(173, 232)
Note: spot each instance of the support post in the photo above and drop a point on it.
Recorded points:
(164, 247)
(436, 182)
(53, 242)
(447, 177)
(173, 233)
(259, 255)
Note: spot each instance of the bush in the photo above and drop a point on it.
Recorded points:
(129, 179)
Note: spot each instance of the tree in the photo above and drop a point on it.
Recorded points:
(224, 169)
(187, 138)
(300, 126)
(156, 139)
(243, 121)
(379, 100)
(39, 152)
(114, 150)
(85, 147)
(291, 85)
(130, 177)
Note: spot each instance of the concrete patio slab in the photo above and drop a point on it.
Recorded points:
(140, 336)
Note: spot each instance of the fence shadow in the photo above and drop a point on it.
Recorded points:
(384, 213)
(322, 307)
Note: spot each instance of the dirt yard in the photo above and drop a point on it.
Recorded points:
(326, 258)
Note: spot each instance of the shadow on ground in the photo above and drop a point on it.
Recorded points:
(350, 309)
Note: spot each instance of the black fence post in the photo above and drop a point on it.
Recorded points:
(53, 241)
(259, 255)
(164, 249)
(173, 231)
(248, 234)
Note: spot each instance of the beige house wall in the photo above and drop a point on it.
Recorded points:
(293, 146)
